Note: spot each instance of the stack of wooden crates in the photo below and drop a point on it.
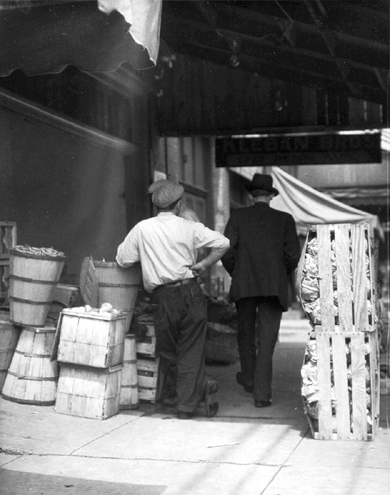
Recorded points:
(148, 363)
(340, 374)
(90, 353)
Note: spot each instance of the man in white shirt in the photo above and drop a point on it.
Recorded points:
(167, 246)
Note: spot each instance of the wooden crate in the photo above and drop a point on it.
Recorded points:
(66, 294)
(88, 392)
(340, 385)
(91, 340)
(8, 239)
(146, 346)
(336, 279)
(148, 379)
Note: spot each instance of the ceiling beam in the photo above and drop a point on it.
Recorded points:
(264, 41)
(331, 42)
(304, 27)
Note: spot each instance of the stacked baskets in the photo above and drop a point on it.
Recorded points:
(34, 275)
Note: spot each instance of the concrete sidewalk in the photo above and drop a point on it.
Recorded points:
(242, 451)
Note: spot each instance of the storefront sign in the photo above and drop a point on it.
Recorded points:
(309, 149)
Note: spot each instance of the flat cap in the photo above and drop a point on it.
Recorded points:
(157, 184)
(166, 194)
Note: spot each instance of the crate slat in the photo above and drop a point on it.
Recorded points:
(147, 346)
(359, 279)
(324, 384)
(341, 386)
(343, 273)
(374, 360)
(326, 281)
(359, 399)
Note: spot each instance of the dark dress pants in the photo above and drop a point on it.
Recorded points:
(256, 344)
(180, 319)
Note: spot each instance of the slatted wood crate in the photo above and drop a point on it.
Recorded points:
(88, 392)
(8, 239)
(91, 340)
(147, 345)
(337, 278)
(340, 385)
(148, 379)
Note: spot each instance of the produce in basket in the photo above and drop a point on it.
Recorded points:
(42, 251)
(106, 309)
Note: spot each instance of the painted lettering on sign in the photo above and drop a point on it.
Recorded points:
(296, 150)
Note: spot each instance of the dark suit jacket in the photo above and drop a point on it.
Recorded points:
(264, 250)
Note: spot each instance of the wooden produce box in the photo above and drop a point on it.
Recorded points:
(91, 340)
(148, 379)
(66, 294)
(88, 392)
(146, 346)
(336, 279)
(341, 386)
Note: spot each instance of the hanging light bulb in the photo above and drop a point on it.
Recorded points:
(235, 45)
(234, 60)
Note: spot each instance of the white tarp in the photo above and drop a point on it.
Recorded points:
(144, 17)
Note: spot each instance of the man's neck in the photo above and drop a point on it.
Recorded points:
(262, 199)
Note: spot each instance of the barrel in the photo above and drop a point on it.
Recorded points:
(129, 385)
(33, 281)
(9, 336)
(32, 377)
(118, 286)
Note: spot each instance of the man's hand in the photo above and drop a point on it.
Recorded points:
(211, 258)
(198, 268)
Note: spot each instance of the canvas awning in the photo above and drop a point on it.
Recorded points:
(309, 206)
(44, 36)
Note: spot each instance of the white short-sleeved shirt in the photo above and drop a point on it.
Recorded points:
(166, 246)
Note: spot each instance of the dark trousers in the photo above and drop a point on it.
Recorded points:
(256, 344)
(180, 319)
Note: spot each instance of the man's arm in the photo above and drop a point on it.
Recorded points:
(231, 232)
(211, 258)
(127, 253)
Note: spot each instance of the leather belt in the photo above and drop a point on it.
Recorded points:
(185, 281)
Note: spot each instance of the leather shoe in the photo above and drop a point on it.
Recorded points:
(248, 387)
(263, 403)
(184, 415)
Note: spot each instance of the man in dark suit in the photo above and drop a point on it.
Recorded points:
(264, 250)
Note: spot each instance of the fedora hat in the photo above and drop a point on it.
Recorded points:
(167, 194)
(263, 182)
